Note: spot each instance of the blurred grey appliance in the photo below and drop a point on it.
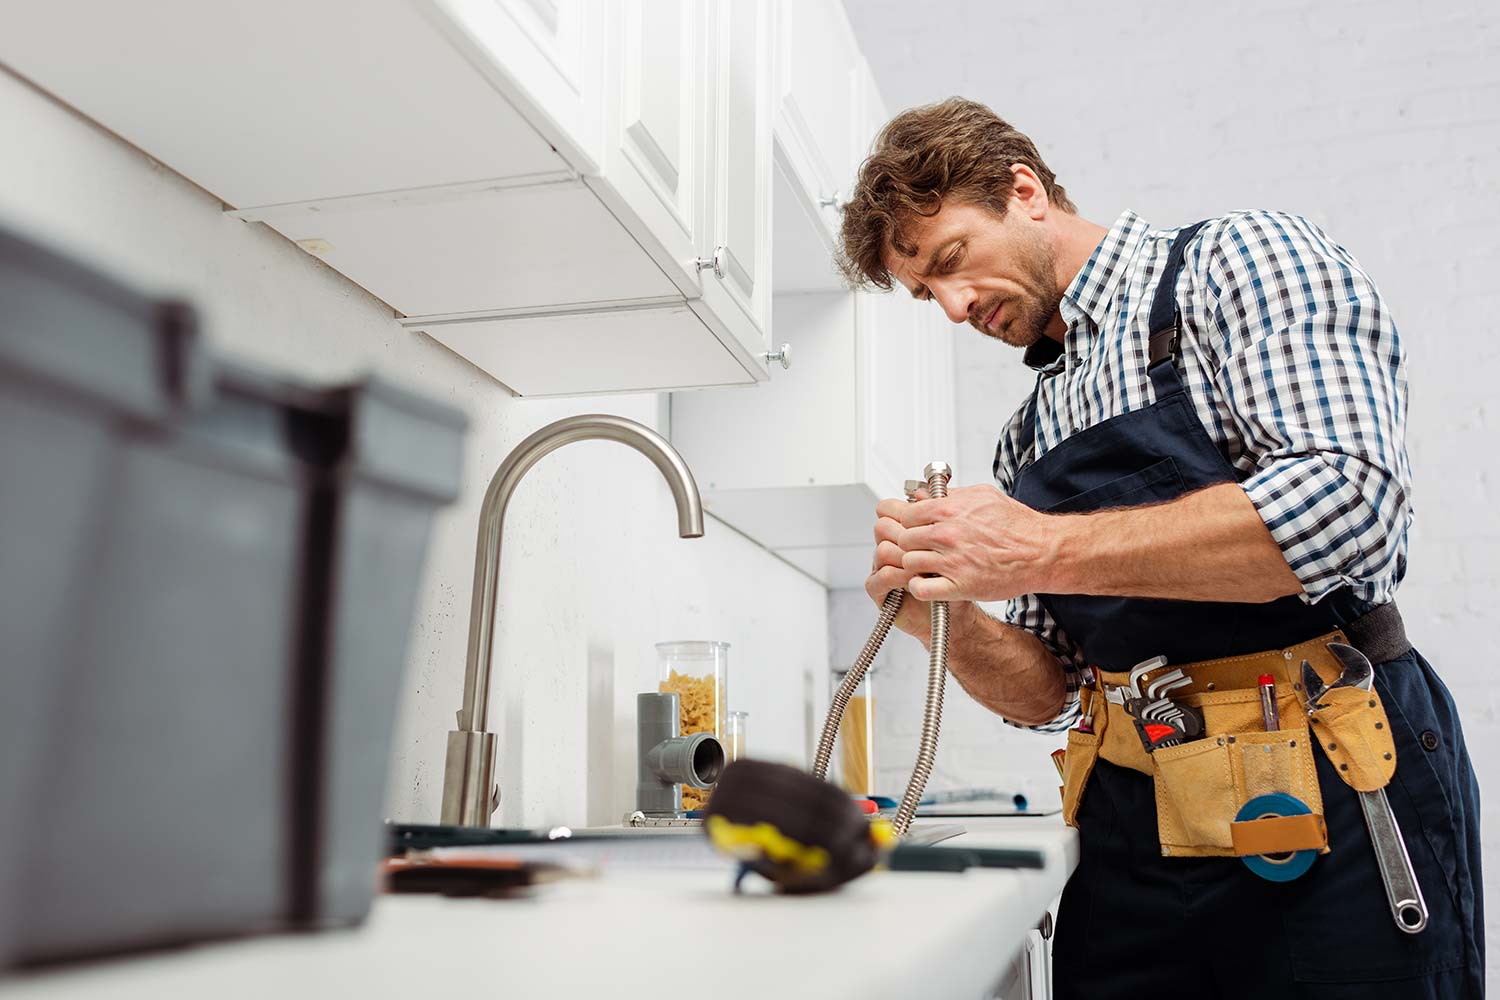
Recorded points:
(470, 792)
(209, 575)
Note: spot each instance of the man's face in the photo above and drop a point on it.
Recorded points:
(998, 274)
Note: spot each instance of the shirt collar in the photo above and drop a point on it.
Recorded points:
(1092, 291)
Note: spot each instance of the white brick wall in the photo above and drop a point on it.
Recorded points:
(1380, 121)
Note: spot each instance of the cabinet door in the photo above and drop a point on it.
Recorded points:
(547, 57)
(817, 59)
(653, 159)
(738, 293)
(892, 401)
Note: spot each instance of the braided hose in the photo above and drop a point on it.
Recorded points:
(937, 674)
(852, 680)
(938, 475)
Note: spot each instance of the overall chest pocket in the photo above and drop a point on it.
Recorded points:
(1161, 480)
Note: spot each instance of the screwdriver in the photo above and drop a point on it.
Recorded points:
(1268, 703)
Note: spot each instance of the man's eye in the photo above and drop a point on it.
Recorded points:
(953, 259)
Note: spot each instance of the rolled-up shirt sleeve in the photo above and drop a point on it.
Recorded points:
(1315, 379)
(1027, 611)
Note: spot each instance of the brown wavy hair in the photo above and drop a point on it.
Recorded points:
(955, 149)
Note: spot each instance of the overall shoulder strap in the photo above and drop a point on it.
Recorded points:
(1027, 435)
(1165, 322)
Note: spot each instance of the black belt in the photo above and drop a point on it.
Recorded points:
(1379, 634)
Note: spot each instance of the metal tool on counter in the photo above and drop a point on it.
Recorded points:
(1396, 873)
(470, 793)
(937, 475)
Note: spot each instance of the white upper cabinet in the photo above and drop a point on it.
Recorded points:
(737, 287)
(799, 463)
(895, 409)
(543, 55)
(688, 154)
(658, 91)
(278, 101)
(816, 117)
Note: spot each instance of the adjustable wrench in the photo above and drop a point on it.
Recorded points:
(1396, 872)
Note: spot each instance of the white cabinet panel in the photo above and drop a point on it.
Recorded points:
(817, 60)
(547, 57)
(799, 463)
(935, 336)
(796, 430)
(653, 161)
(477, 251)
(278, 101)
(739, 293)
(895, 404)
(617, 350)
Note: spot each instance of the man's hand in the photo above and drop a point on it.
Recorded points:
(975, 544)
(888, 574)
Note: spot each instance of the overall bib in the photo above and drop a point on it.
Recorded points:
(1135, 924)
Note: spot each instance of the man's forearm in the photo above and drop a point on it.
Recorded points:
(1210, 545)
(1004, 668)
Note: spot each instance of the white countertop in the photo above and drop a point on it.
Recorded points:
(636, 933)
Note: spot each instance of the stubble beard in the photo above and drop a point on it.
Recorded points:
(1033, 309)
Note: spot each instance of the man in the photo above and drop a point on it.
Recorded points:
(1212, 469)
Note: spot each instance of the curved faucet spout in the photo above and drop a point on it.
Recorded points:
(468, 795)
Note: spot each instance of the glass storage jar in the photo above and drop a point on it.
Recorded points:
(734, 738)
(698, 673)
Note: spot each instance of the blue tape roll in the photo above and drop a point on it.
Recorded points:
(1279, 867)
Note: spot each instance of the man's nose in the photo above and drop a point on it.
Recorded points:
(956, 302)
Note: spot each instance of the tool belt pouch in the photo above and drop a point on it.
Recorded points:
(1201, 785)
(1355, 734)
(1083, 751)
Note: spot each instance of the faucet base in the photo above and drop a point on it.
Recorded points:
(470, 795)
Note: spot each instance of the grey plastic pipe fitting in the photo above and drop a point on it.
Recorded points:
(666, 761)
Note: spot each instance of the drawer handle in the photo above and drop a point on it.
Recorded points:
(714, 263)
(784, 356)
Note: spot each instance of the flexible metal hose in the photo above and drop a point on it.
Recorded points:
(937, 674)
(937, 475)
(856, 674)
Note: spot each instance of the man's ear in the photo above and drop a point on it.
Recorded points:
(1027, 192)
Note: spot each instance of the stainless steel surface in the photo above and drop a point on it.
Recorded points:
(938, 474)
(714, 263)
(469, 796)
(1396, 872)
(1408, 906)
(784, 356)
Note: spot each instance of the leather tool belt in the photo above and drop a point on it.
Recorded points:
(1202, 783)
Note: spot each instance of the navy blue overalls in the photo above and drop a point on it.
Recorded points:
(1133, 924)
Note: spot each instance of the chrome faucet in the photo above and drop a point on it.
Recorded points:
(470, 794)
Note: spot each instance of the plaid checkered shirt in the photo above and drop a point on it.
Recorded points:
(1293, 365)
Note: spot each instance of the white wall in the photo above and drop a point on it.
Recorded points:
(1378, 120)
(593, 570)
